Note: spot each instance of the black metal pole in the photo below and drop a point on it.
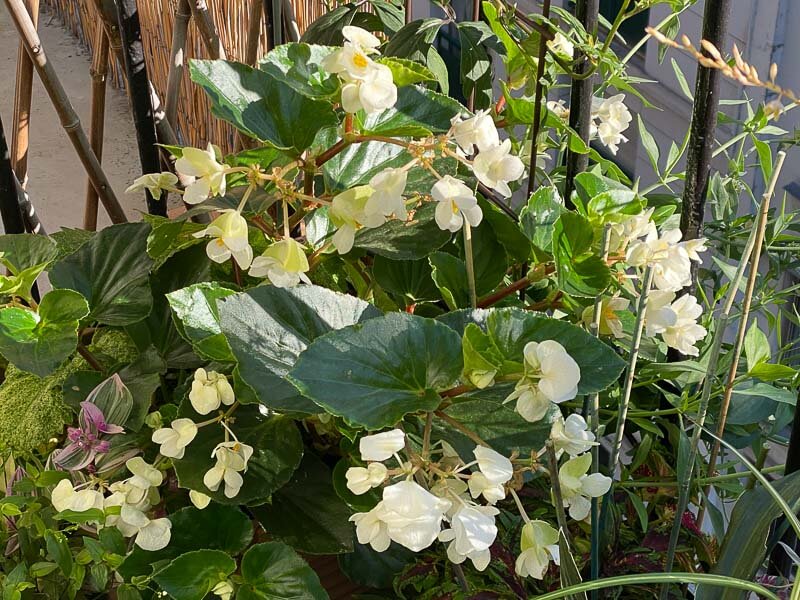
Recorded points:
(704, 123)
(139, 95)
(13, 220)
(580, 105)
(273, 13)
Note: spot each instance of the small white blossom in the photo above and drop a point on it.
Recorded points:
(670, 259)
(360, 480)
(232, 460)
(175, 438)
(577, 487)
(373, 93)
(561, 45)
(558, 109)
(479, 485)
(413, 515)
(387, 195)
(496, 467)
(675, 321)
(495, 167)
(380, 446)
(571, 435)
(539, 546)
(209, 390)
(145, 475)
(65, 497)
(614, 118)
(199, 499)
(478, 131)
(551, 376)
(610, 323)
(456, 202)
(347, 213)
(155, 183)
(208, 172)
(284, 263)
(471, 534)
(372, 529)
(229, 232)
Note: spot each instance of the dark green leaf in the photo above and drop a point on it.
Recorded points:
(418, 113)
(538, 217)
(374, 569)
(22, 251)
(406, 72)
(268, 327)
(581, 272)
(476, 65)
(192, 575)
(170, 236)
(405, 241)
(273, 571)
(299, 66)
(373, 373)
(197, 318)
(506, 230)
(307, 514)
(408, 278)
(110, 271)
(261, 105)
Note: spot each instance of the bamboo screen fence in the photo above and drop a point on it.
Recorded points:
(195, 124)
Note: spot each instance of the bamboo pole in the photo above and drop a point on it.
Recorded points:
(177, 60)
(99, 72)
(704, 122)
(22, 103)
(208, 31)
(67, 115)
(580, 106)
(254, 32)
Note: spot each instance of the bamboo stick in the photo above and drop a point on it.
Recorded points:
(254, 32)
(99, 71)
(22, 103)
(69, 118)
(208, 31)
(177, 60)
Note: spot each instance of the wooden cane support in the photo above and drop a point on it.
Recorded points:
(177, 60)
(66, 113)
(22, 103)
(99, 73)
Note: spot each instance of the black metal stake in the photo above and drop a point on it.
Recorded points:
(139, 95)
(13, 221)
(580, 104)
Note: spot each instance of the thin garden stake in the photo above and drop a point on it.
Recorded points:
(67, 115)
(254, 32)
(537, 103)
(208, 32)
(10, 212)
(704, 123)
(99, 72)
(580, 114)
(761, 227)
(139, 95)
(177, 60)
(22, 103)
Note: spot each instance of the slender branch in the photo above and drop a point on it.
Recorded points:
(537, 103)
(461, 427)
(207, 29)
(177, 60)
(491, 299)
(89, 358)
(555, 484)
(98, 71)
(469, 260)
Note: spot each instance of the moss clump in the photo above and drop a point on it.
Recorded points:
(31, 409)
(114, 343)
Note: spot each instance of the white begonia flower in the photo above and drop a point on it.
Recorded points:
(610, 323)
(496, 467)
(478, 131)
(361, 38)
(495, 167)
(209, 390)
(199, 499)
(571, 435)
(66, 497)
(372, 529)
(685, 333)
(561, 45)
(670, 259)
(208, 172)
(360, 480)
(175, 438)
(381, 446)
(348, 215)
(372, 93)
(659, 314)
(224, 589)
(630, 229)
(413, 515)
(550, 376)
(471, 534)
(539, 546)
(558, 109)
(479, 485)
(456, 202)
(155, 535)
(614, 118)
(352, 60)
(577, 487)
(452, 488)
(145, 475)
(387, 195)
(232, 460)
(284, 263)
(155, 183)
(229, 232)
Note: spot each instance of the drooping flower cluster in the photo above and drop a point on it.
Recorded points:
(367, 85)
(550, 377)
(669, 257)
(610, 117)
(675, 321)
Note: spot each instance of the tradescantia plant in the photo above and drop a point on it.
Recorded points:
(367, 353)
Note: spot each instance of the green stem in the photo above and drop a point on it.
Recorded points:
(555, 484)
(473, 296)
(700, 480)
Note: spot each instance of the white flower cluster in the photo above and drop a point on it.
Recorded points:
(134, 498)
(413, 517)
(550, 376)
(675, 321)
(367, 85)
(610, 117)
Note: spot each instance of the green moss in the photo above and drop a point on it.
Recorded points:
(31, 409)
(114, 343)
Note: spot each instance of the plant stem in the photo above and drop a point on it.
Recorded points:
(700, 481)
(89, 358)
(286, 231)
(469, 260)
(519, 284)
(555, 483)
(745, 304)
(594, 422)
(461, 427)
(426, 436)
(537, 103)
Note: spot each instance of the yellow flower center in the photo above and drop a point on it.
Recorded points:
(454, 207)
(236, 447)
(220, 243)
(360, 61)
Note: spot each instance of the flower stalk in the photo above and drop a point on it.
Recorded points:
(470, 264)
